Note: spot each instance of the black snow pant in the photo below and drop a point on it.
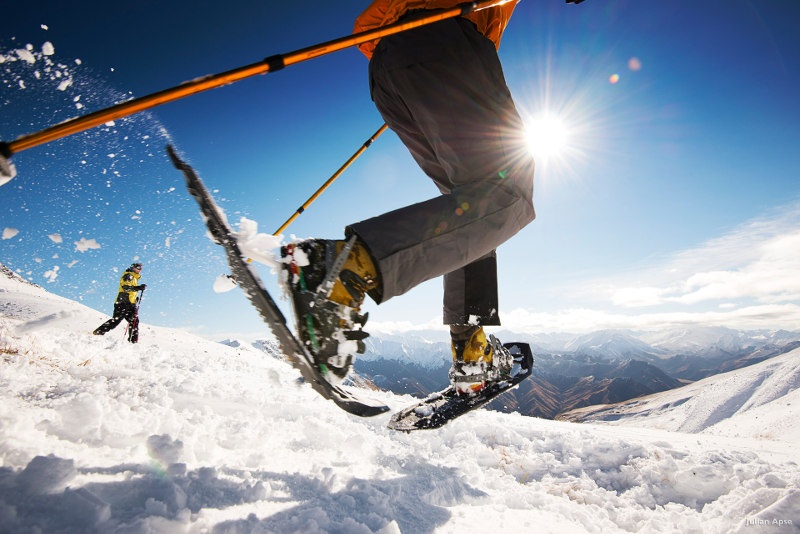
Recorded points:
(441, 89)
(122, 310)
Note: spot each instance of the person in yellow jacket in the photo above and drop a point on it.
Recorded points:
(125, 305)
(441, 89)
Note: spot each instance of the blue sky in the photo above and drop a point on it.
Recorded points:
(675, 198)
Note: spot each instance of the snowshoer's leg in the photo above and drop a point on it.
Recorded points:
(328, 281)
(133, 329)
(116, 318)
(441, 90)
(107, 326)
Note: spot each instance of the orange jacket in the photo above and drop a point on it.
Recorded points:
(490, 22)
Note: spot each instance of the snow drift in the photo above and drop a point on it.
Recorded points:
(181, 434)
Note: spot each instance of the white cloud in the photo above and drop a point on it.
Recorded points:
(579, 320)
(748, 278)
(757, 261)
(398, 327)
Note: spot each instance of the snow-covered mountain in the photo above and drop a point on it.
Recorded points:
(657, 346)
(416, 348)
(611, 344)
(700, 339)
(577, 371)
(181, 434)
(762, 399)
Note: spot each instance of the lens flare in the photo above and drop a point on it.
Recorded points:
(547, 136)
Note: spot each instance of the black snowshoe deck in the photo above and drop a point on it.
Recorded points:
(440, 408)
(247, 278)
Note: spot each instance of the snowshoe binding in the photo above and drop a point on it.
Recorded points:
(327, 281)
(477, 361)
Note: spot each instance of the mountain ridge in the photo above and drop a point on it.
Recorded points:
(605, 366)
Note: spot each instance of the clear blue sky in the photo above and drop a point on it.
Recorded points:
(676, 198)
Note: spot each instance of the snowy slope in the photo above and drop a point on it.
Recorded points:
(179, 434)
(761, 400)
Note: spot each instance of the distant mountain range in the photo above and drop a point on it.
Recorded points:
(571, 372)
(602, 367)
(759, 400)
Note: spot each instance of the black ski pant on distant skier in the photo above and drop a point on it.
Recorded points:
(122, 310)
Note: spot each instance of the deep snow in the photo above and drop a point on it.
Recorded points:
(180, 434)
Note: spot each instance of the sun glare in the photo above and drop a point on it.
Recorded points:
(547, 137)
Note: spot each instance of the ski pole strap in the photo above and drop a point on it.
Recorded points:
(325, 288)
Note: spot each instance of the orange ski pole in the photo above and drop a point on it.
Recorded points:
(269, 64)
(335, 175)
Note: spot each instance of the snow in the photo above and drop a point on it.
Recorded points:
(181, 434)
(761, 400)
(9, 233)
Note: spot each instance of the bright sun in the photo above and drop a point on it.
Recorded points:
(547, 137)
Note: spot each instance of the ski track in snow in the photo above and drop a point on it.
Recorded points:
(181, 434)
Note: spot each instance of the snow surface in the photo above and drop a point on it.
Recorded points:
(180, 434)
(761, 400)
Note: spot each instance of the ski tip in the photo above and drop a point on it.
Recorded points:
(7, 169)
(173, 156)
(177, 162)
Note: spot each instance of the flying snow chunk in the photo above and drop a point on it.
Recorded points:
(224, 283)
(52, 274)
(8, 233)
(25, 55)
(55, 238)
(257, 246)
(86, 244)
(7, 171)
(48, 49)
